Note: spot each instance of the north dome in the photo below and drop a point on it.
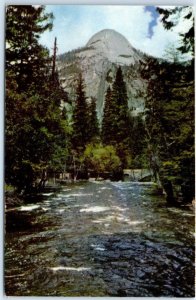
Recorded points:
(114, 46)
(108, 35)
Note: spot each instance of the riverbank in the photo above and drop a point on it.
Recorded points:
(12, 200)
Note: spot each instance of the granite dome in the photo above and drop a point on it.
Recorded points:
(114, 46)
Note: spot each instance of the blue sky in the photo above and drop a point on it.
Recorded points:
(154, 20)
(74, 25)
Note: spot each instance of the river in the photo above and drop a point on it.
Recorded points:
(99, 239)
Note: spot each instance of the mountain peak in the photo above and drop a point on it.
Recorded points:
(106, 34)
(114, 46)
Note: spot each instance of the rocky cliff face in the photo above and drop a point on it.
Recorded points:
(97, 62)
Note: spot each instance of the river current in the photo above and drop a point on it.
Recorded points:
(99, 239)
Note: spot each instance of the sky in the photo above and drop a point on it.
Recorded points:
(74, 25)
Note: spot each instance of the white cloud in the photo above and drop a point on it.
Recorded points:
(131, 21)
(163, 38)
(160, 40)
(74, 30)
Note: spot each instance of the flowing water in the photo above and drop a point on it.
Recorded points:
(100, 239)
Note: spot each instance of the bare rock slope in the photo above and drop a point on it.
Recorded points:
(97, 62)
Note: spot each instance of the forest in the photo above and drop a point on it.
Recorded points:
(40, 139)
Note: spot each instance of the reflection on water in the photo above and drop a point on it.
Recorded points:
(100, 239)
(94, 209)
(28, 207)
(80, 269)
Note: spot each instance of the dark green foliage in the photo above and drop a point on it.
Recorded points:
(35, 135)
(24, 55)
(93, 125)
(119, 93)
(156, 96)
(35, 127)
(170, 126)
(170, 113)
(109, 119)
(116, 122)
(138, 143)
(80, 119)
(85, 130)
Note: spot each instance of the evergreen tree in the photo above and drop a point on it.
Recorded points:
(85, 130)
(93, 125)
(109, 124)
(122, 124)
(156, 75)
(170, 112)
(119, 94)
(138, 143)
(25, 57)
(170, 126)
(80, 119)
(35, 131)
(116, 119)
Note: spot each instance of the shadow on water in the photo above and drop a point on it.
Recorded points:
(138, 267)
(100, 239)
(110, 265)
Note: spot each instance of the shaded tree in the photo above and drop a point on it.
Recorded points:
(116, 120)
(109, 122)
(119, 93)
(80, 118)
(25, 57)
(177, 167)
(122, 120)
(93, 124)
(36, 134)
(170, 126)
(138, 143)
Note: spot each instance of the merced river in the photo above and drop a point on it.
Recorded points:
(99, 239)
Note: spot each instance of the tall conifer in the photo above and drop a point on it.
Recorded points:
(80, 118)
(25, 57)
(109, 124)
(119, 95)
(116, 123)
(93, 124)
(35, 132)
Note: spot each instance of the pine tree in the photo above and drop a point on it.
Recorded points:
(109, 124)
(25, 57)
(116, 123)
(93, 125)
(119, 95)
(170, 113)
(36, 134)
(80, 118)
(170, 126)
(138, 143)
(157, 94)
